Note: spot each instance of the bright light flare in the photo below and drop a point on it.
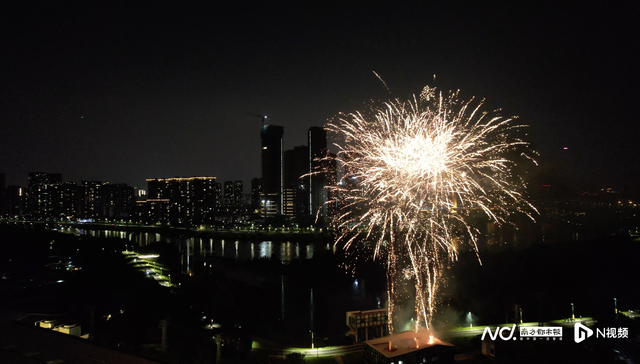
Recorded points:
(414, 173)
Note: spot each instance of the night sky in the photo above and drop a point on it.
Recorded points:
(119, 92)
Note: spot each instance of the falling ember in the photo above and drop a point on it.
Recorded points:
(431, 340)
(414, 174)
(417, 343)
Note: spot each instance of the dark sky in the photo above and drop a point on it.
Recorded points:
(119, 92)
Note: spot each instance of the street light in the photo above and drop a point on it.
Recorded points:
(615, 304)
(520, 314)
(573, 315)
(470, 321)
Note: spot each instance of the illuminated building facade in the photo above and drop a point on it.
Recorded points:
(233, 196)
(153, 210)
(118, 200)
(90, 200)
(271, 166)
(192, 200)
(296, 182)
(256, 192)
(65, 199)
(288, 208)
(238, 195)
(41, 194)
(365, 325)
(218, 194)
(229, 201)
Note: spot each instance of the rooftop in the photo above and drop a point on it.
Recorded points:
(405, 342)
(379, 310)
(27, 344)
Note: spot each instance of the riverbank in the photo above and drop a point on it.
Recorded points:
(269, 233)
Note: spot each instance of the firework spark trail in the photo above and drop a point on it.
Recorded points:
(414, 171)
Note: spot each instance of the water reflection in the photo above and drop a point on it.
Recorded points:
(243, 250)
(265, 249)
(190, 247)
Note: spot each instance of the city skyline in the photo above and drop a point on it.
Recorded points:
(311, 165)
(98, 93)
(291, 185)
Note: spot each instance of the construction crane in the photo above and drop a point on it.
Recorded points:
(265, 118)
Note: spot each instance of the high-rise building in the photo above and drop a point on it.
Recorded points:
(229, 201)
(157, 187)
(118, 200)
(238, 195)
(14, 200)
(288, 207)
(65, 197)
(90, 199)
(317, 138)
(256, 193)
(301, 180)
(191, 200)
(202, 199)
(296, 182)
(218, 194)
(272, 176)
(331, 179)
(153, 210)
(41, 195)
